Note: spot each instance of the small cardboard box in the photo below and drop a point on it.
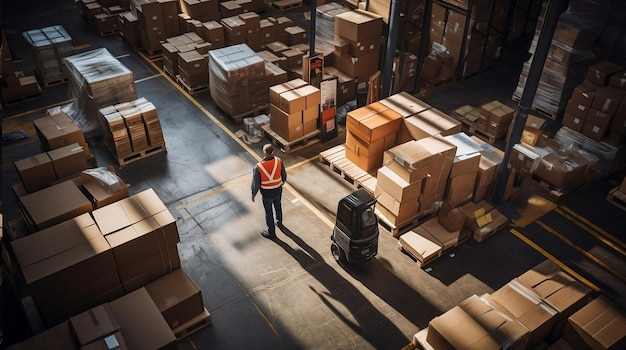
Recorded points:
(36, 172)
(68, 160)
(358, 25)
(420, 245)
(573, 122)
(177, 296)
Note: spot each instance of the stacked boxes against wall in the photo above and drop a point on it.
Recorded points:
(129, 28)
(203, 11)
(16, 85)
(294, 109)
(174, 53)
(566, 65)
(97, 79)
(492, 119)
(50, 46)
(238, 83)
(597, 108)
(157, 21)
(534, 308)
(358, 44)
(131, 128)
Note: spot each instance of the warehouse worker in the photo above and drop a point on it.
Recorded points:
(269, 175)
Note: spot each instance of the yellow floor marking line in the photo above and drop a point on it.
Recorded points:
(81, 47)
(215, 192)
(39, 109)
(238, 140)
(599, 233)
(554, 260)
(581, 250)
(148, 78)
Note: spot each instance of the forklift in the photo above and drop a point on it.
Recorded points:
(355, 236)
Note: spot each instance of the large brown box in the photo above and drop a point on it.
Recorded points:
(278, 124)
(577, 109)
(54, 204)
(573, 122)
(367, 155)
(420, 245)
(598, 325)
(474, 323)
(599, 73)
(584, 93)
(68, 160)
(405, 104)
(594, 132)
(373, 122)
(59, 130)
(358, 25)
(358, 67)
(562, 171)
(141, 323)
(177, 296)
(36, 172)
(562, 292)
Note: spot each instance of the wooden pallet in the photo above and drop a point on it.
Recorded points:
(554, 193)
(153, 53)
(284, 5)
(336, 159)
(110, 32)
(238, 119)
(294, 145)
(170, 73)
(49, 82)
(25, 98)
(141, 155)
(479, 237)
(195, 324)
(191, 91)
(491, 139)
(617, 198)
(398, 229)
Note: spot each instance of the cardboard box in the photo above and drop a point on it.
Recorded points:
(599, 73)
(373, 122)
(101, 195)
(396, 187)
(59, 130)
(57, 337)
(445, 238)
(409, 160)
(598, 325)
(420, 245)
(450, 218)
(277, 90)
(358, 25)
(460, 188)
(54, 204)
(405, 104)
(141, 322)
(584, 93)
(594, 132)
(177, 296)
(536, 314)
(405, 209)
(432, 122)
(290, 132)
(573, 122)
(576, 109)
(618, 124)
(565, 294)
(68, 160)
(475, 324)
(358, 67)
(36, 172)
(97, 323)
(618, 80)
(562, 171)
(607, 99)
(312, 96)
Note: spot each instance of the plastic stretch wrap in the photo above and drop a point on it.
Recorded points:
(605, 157)
(96, 79)
(325, 21)
(109, 180)
(237, 76)
(50, 46)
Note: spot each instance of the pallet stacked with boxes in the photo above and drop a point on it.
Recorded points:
(294, 110)
(238, 83)
(543, 307)
(17, 87)
(50, 45)
(96, 79)
(132, 130)
(490, 121)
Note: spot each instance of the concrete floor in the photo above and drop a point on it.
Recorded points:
(286, 293)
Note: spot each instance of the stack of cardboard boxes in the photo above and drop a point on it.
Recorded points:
(98, 256)
(131, 128)
(358, 44)
(294, 109)
(238, 84)
(204, 11)
(58, 130)
(97, 79)
(597, 108)
(129, 28)
(50, 45)
(428, 241)
(370, 131)
(541, 305)
(157, 21)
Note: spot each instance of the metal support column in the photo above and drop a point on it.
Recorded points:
(423, 51)
(392, 39)
(555, 8)
(313, 27)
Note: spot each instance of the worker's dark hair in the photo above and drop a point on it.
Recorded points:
(268, 148)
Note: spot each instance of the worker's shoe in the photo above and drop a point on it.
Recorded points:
(267, 234)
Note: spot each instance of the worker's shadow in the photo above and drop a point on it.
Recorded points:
(363, 318)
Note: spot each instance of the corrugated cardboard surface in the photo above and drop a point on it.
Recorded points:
(599, 325)
(94, 324)
(177, 296)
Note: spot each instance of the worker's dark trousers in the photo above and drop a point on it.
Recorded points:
(268, 203)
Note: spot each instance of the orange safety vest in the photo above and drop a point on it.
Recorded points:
(270, 171)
